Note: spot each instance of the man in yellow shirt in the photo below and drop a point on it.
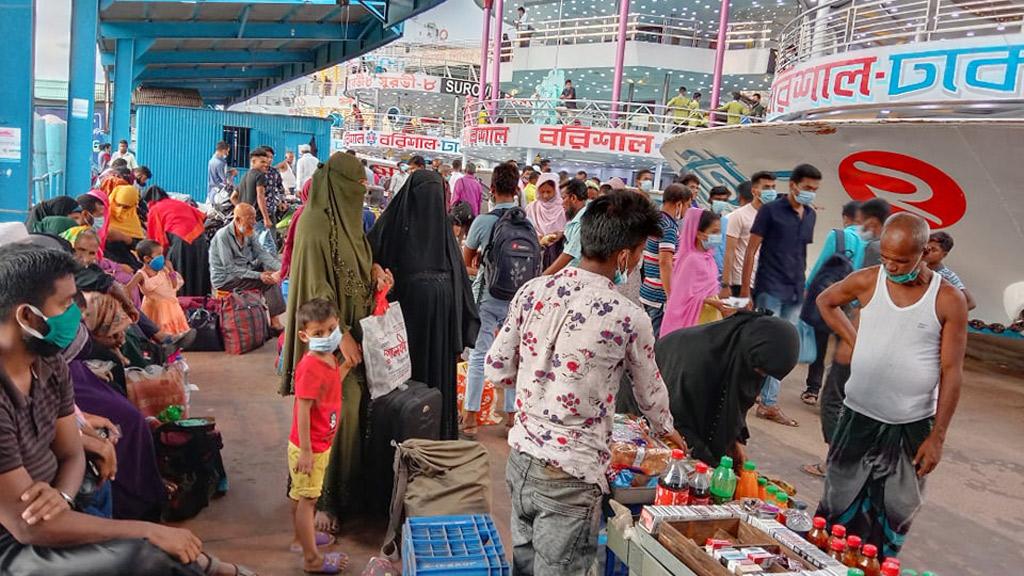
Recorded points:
(698, 119)
(678, 107)
(735, 110)
(530, 190)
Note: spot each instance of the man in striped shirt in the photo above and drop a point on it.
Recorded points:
(659, 253)
(939, 246)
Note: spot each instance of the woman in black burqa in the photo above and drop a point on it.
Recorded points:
(714, 373)
(414, 239)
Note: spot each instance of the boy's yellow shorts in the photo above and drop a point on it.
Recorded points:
(306, 485)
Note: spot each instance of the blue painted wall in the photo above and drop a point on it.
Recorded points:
(177, 143)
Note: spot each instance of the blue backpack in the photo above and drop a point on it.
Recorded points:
(512, 256)
(838, 266)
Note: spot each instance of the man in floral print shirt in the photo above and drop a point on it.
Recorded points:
(566, 342)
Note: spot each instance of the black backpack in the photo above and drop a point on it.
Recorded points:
(512, 256)
(838, 266)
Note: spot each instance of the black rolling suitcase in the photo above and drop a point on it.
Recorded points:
(413, 410)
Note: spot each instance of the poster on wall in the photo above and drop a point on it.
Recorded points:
(959, 175)
(981, 68)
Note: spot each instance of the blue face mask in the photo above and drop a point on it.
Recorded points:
(97, 223)
(647, 185)
(806, 197)
(720, 207)
(326, 344)
(712, 241)
(904, 278)
(157, 263)
(768, 195)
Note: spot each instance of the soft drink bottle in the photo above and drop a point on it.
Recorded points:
(747, 485)
(700, 486)
(798, 520)
(723, 481)
(838, 533)
(869, 560)
(836, 548)
(818, 535)
(854, 572)
(852, 555)
(890, 569)
(673, 486)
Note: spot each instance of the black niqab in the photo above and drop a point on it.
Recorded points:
(59, 206)
(710, 372)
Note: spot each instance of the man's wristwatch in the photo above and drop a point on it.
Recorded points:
(68, 499)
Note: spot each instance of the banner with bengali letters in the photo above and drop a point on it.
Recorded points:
(566, 137)
(982, 68)
(393, 81)
(962, 176)
(397, 141)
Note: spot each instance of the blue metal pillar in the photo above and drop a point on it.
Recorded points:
(81, 95)
(16, 28)
(124, 80)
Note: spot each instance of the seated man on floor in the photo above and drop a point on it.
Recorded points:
(238, 262)
(41, 457)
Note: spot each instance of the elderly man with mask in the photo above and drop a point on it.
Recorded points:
(238, 262)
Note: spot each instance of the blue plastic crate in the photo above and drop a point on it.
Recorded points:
(458, 545)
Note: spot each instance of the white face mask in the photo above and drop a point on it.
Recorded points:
(326, 344)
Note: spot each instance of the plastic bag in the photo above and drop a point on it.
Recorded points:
(633, 447)
(154, 389)
(385, 348)
(808, 343)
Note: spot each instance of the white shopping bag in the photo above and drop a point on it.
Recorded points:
(385, 348)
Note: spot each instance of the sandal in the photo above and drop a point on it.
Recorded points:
(323, 539)
(774, 413)
(809, 398)
(214, 567)
(816, 470)
(333, 563)
(468, 433)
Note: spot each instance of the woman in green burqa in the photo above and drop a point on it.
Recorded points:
(331, 259)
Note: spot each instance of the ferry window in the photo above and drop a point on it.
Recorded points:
(238, 139)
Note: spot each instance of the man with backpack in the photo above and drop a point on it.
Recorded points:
(857, 237)
(503, 246)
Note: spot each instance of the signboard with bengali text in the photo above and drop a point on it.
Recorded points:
(565, 137)
(983, 68)
(394, 81)
(398, 141)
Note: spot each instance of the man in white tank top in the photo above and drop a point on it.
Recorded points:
(905, 376)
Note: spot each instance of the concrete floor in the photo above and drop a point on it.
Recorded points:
(972, 523)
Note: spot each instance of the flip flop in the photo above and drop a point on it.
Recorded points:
(323, 539)
(214, 565)
(816, 470)
(334, 563)
(809, 398)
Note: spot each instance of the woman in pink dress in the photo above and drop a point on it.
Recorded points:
(694, 297)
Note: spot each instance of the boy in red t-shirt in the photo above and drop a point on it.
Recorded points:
(314, 422)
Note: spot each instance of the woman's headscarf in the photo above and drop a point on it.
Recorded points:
(71, 234)
(104, 316)
(694, 278)
(59, 206)
(53, 225)
(330, 256)
(111, 182)
(124, 220)
(710, 373)
(413, 235)
(548, 217)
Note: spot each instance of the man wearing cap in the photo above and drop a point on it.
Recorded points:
(305, 166)
(593, 189)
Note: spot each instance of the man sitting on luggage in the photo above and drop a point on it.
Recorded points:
(42, 462)
(238, 262)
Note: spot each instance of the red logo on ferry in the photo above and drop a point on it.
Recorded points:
(908, 183)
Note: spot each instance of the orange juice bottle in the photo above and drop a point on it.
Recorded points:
(747, 485)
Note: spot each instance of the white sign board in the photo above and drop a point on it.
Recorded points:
(960, 175)
(10, 144)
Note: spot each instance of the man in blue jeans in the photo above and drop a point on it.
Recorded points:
(504, 186)
(783, 228)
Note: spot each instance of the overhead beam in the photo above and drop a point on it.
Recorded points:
(214, 30)
(225, 57)
(377, 8)
(109, 3)
(207, 73)
(243, 20)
